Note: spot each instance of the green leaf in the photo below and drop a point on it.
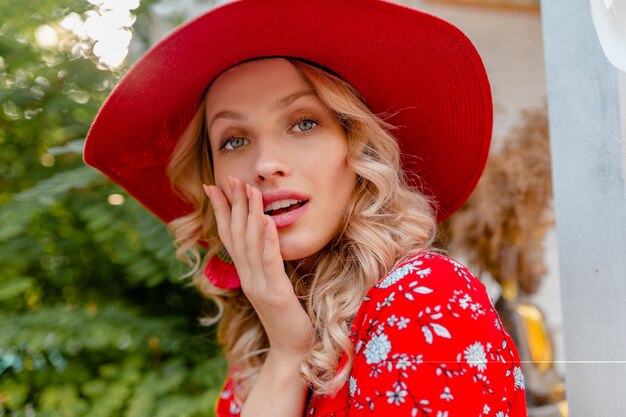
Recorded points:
(94, 388)
(63, 399)
(71, 147)
(15, 216)
(13, 287)
(14, 394)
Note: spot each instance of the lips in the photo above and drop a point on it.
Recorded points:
(282, 206)
(285, 207)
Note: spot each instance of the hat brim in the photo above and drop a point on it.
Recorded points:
(416, 67)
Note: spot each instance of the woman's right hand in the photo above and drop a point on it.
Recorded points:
(251, 239)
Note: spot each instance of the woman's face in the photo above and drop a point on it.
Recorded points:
(267, 127)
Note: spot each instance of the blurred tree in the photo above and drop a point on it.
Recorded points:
(95, 318)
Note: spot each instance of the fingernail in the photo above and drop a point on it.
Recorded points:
(207, 190)
(248, 191)
(231, 182)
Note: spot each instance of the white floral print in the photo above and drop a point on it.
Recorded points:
(377, 349)
(403, 363)
(464, 302)
(475, 356)
(392, 320)
(386, 302)
(397, 396)
(402, 272)
(427, 343)
(446, 395)
(234, 408)
(519, 377)
(403, 323)
(353, 386)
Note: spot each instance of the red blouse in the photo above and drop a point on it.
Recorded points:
(428, 343)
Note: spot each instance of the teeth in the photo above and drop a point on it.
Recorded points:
(279, 204)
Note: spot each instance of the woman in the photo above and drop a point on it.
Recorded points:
(263, 142)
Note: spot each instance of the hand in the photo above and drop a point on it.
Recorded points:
(252, 242)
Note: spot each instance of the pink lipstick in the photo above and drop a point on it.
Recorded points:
(285, 207)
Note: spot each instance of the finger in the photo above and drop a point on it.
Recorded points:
(255, 232)
(239, 222)
(272, 259)
(221, 211)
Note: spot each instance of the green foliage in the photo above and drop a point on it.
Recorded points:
(109, 361)
(95, 319)
(39, 198)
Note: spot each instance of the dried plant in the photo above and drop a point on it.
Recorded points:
(501, 228)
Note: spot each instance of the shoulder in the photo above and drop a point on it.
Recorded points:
(429, 276)
(427, 336)
(427, 301)
(425, 265)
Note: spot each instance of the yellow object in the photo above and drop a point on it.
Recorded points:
(538, 339)
(509, 289)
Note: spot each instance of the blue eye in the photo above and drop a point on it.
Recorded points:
(231, 143)
(305, 124)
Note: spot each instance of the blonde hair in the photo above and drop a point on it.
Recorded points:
(385, 222)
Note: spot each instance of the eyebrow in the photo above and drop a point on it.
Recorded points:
(287, 100)
(280, 104)
(228, 114)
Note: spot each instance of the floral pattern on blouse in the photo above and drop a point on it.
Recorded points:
(428, 343)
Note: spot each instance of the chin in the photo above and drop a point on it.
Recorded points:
(295, 249)
(294, 255)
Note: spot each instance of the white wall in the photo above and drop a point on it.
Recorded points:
(510, 43)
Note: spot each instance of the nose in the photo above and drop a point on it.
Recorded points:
(272, 160)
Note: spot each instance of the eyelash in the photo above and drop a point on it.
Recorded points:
(222, 144)
(225, 141)
(305, 118)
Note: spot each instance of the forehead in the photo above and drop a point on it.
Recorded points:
(255, 80)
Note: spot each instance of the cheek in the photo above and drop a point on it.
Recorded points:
(221, 181)
(342, 181)
(339, 172)
(344, 175)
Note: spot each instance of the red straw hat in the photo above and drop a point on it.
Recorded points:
(403, 62)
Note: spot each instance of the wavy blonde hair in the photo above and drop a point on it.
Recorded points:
(385, 222)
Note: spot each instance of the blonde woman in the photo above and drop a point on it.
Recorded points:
(257, 134)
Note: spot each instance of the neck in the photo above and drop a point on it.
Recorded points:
(305, 266)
